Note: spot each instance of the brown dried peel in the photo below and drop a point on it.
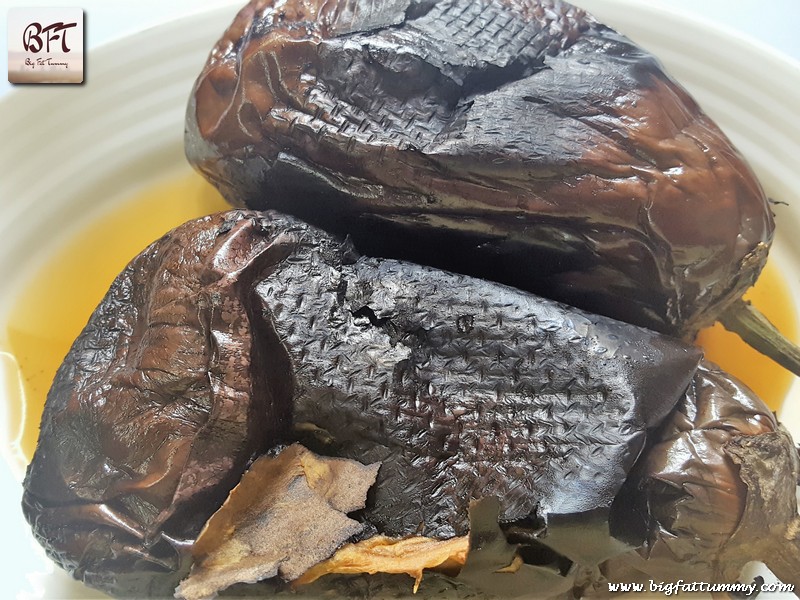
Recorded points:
(482, 561)
(287, 514)
(382, 554)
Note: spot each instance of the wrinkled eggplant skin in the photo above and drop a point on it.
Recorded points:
(716, 409)
(515, 140)
(239, 332)
(691, 489)
(156, 410)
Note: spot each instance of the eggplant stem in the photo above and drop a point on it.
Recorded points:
(757, 332)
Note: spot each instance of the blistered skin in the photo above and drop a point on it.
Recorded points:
(243, 331)
(514, 140)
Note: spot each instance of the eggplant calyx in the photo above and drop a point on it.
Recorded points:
(743, 319)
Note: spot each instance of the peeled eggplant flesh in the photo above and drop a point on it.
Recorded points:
(515, 140)
(239, 333)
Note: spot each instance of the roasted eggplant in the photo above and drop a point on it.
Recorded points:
(711, 487)
(514, 140)
(156, 411)
(241, 333)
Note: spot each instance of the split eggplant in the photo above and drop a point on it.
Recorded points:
(238, 334)
(514, 140)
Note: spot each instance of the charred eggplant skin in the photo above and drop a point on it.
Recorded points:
(235, 332)
(515, 140)
(463, 389)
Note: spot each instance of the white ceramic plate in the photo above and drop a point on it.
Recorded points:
(73, 153)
